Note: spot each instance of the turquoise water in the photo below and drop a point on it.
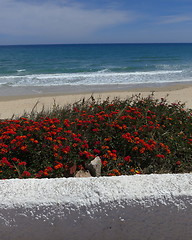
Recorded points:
(94, 64)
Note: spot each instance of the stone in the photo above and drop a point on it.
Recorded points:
(82, 173)
(94, 167)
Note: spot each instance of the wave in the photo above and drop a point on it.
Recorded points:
(21, 70)
(94, 78)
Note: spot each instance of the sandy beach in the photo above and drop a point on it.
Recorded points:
(17, 105)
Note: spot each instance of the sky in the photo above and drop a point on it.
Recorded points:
(95, 21)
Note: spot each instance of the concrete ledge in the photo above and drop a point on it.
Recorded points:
(135, 207)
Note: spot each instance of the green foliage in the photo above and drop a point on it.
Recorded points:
(132, 136)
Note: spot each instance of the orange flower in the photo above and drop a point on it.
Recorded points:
(45, 173)
(59, 165)
(55, 148)
(111, 174)
(3, 151)
(135, 148)
(120, 164)
(107, 139)
(56, 155)
(105, 147)
(105, 156)
(142, 150)
(49, 138)
(116, 171)
(24, 148)
(33, 140)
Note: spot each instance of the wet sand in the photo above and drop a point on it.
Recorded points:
(18, 104)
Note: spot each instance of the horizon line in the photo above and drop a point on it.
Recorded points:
(116, 43)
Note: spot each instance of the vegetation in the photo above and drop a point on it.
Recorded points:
(133, 136)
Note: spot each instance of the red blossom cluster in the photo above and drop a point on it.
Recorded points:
(143, 137)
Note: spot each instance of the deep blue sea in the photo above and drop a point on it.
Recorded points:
(94, 65)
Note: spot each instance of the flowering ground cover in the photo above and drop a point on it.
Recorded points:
(133, 136)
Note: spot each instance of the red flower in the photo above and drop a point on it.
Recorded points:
(49, 169)
(96, 151)
(104, 163)
(95, 130)
(160, 156)
(66, 122)
(178, 163)
(114, 151)
(85, 145)
(15, 159)
(127, 159)
(66, 149)
(26, 174)
(22, 163)
(5, 161)
(77, 139)
(39, 174)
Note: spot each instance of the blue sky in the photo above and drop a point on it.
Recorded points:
(95, 21)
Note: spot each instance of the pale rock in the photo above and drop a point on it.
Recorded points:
(82, 173)
(94, 167)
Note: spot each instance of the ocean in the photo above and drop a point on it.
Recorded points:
(31, 69)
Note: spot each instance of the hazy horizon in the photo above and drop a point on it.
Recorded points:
(36, 44)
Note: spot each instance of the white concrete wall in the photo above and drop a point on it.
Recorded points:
(139, 207)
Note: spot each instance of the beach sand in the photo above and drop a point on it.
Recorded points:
(17, 105)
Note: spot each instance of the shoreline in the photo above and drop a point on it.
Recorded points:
(18, 104)
(7, 92)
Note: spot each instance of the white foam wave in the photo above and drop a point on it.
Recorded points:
(104, 70)
(101, 77)
(21, 70)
